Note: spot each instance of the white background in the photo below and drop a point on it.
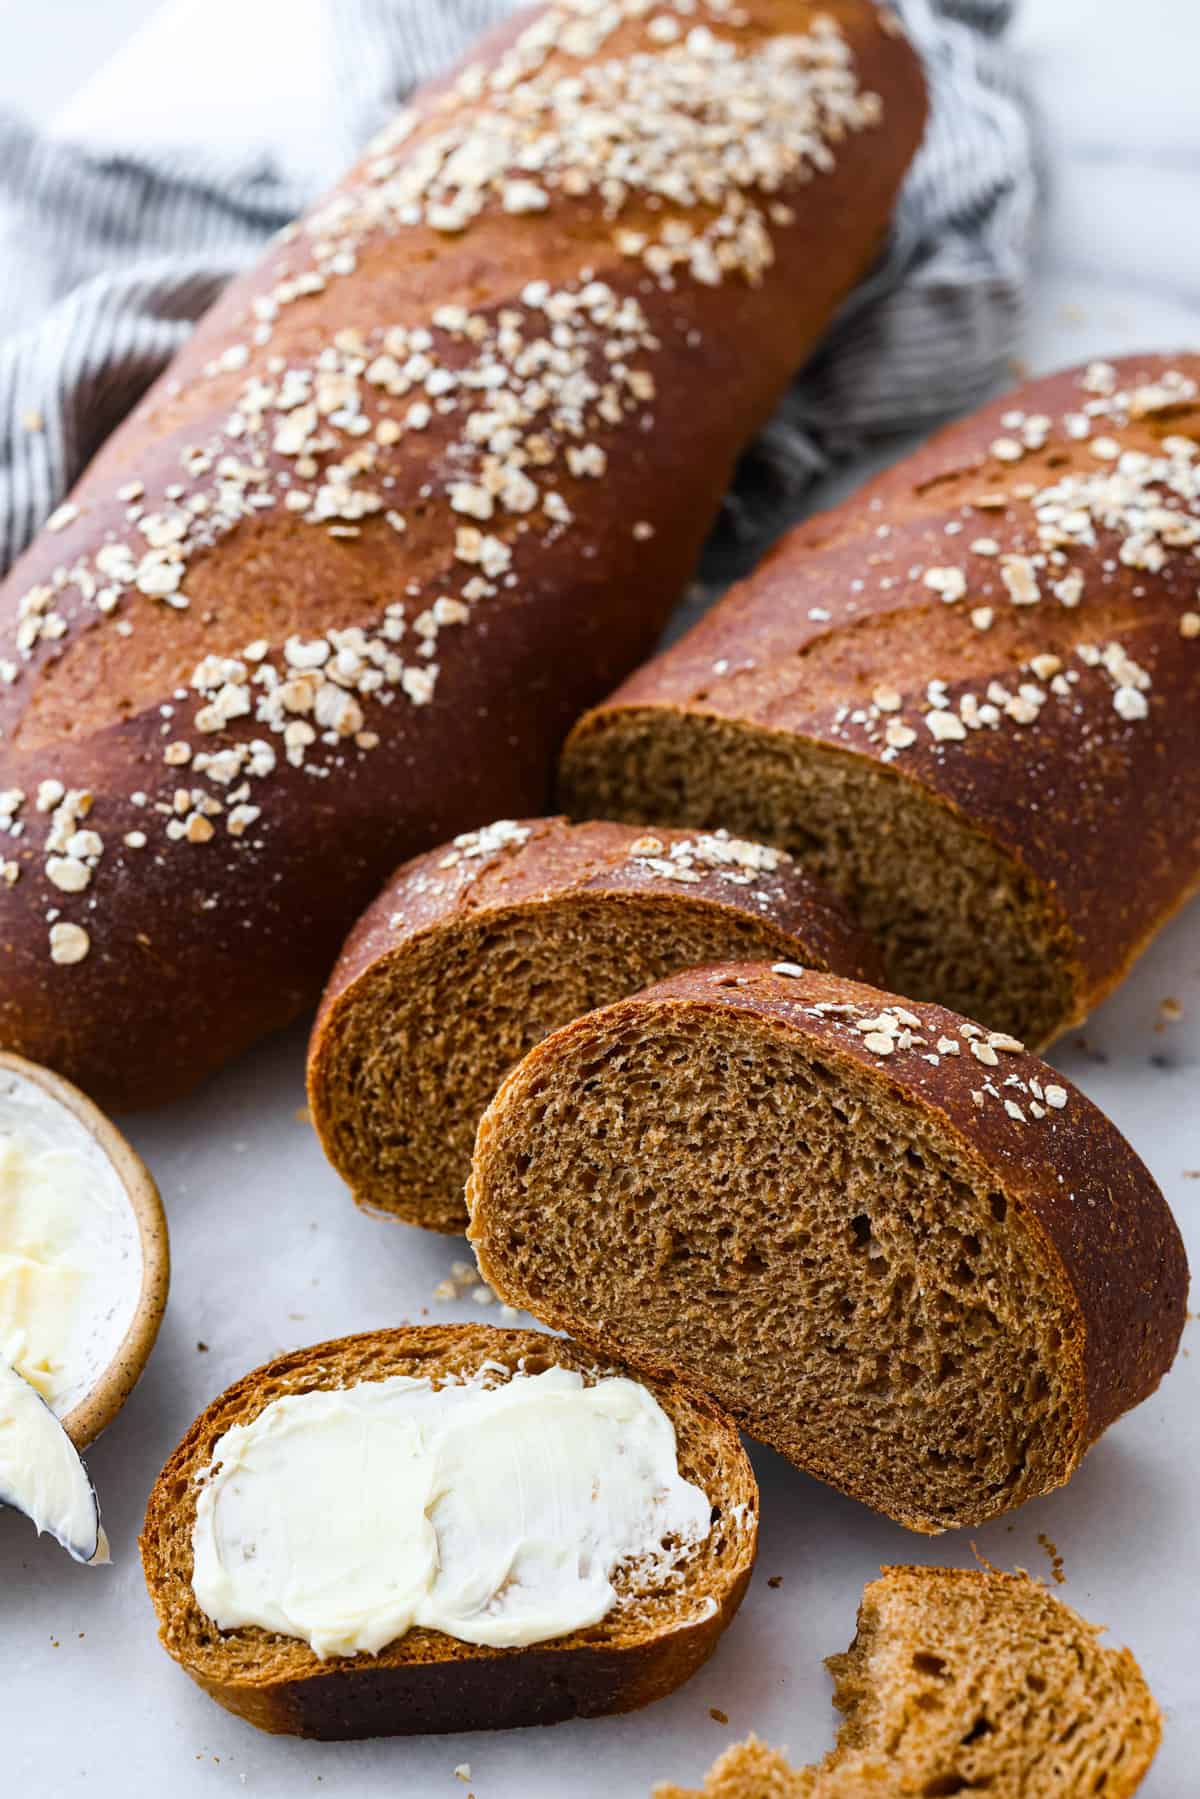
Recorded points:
(269, 1254)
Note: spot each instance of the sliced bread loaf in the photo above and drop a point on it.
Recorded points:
(970, 697)
(476, 951)
(668, 1617)
(895, 1247)
(961, 1680)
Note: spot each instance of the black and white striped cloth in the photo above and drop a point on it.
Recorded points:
(107, 259)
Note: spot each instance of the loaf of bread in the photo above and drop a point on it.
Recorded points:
(907, 1255)
(965, 1680)
(970, 697)
(475, 951)
(420, 487)
(665, 1626)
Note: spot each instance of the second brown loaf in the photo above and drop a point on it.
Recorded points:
(421, 486)
(970, 697)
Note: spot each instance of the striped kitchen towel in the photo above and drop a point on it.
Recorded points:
(107, 257)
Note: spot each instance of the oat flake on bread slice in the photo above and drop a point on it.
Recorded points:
(965, 1680)
(906, 1254)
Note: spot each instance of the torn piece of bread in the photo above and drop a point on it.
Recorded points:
(476, 951)
(969, 696)
(748, 1770)
(668, 1617)
(904, 1253)
(963, 1681)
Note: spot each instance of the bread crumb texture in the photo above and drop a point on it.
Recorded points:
(669, 1615)
(479, 949)
(962, 1681)
(894, 1246)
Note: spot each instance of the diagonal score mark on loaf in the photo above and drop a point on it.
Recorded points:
(933, 1301)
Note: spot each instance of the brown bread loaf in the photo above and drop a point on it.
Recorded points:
(970, 696)
(425, 1681)
(476, 951)
(963, 1680)
(419, 488)
(892, 1245)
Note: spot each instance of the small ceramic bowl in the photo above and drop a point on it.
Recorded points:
(112, 1388)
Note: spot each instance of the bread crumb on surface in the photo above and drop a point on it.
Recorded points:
(1055, 1559)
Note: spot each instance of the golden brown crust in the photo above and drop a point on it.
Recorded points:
(1114, 1254)
(195, 947)
(1096, 807)
(426, 1681)
(553, 858)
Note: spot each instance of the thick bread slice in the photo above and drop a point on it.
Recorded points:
(422, 486)
(964, 1680)
(904, 1253)
(970, 697)
(426, 1681)
(476, 951)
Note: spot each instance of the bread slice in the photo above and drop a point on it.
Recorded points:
(476, 951)
(961, 1681)
(901, 1251)
(969, 696)
(664, 1628)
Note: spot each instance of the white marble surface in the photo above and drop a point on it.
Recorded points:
(269, 1254)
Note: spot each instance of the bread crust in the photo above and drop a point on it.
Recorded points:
(556, 859)
(1098, 811)
(537, 867)
(1107, 1230)
(198, 947)
(426, 1681)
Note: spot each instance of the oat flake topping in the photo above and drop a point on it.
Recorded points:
(732, 859)
(1023, 1097)
(687, 135)
(1145, 505)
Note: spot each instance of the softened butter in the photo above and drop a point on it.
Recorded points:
(495, 1513)
(70, 1253)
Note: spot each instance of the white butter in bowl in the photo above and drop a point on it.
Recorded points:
(83, 1276)
(498, 1514)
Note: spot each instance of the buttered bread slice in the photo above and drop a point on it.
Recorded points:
(447, 1528)
(474, 952)
(906, 1254)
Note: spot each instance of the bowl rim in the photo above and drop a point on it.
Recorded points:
(85, 1421)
